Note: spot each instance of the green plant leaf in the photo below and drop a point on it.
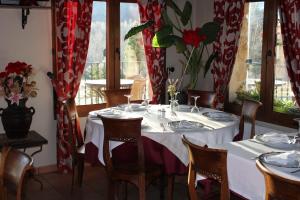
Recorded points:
(137, 29)
(166, 18)
(180, 45)
(164, 42)
(186, 14)
(209, 61)
(211, 30)
(165, 31)
(173, 5)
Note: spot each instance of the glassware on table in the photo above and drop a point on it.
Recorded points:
(176, 104)
(128, 108)
(195, 109)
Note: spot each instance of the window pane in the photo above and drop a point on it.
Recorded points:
(246, 76)
(284, 100)
(94, 78)
(133, 62)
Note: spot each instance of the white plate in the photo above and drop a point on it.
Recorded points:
(185, 125)
(134, 106)
(219, 116)
(291, 164)
(278, 145)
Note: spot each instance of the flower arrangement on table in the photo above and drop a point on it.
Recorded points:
(191, 42)
(15, 84)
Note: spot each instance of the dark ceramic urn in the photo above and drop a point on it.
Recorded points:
(16, 119)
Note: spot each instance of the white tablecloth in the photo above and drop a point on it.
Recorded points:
(244, 177)
(222, 132)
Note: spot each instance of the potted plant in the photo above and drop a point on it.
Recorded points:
(191, 42)
(16, 88)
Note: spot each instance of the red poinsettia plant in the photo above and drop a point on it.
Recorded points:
(191, 42)
(15, 84)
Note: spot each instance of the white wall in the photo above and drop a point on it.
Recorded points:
(33, 46)
(202, 13)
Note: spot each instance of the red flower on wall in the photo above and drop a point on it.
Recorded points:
(192, 37)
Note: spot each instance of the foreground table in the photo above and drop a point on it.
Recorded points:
(243, 176)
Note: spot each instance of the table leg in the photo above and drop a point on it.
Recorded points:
(33, 170)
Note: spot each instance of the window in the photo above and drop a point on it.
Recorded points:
(260, 72)
(112, 62)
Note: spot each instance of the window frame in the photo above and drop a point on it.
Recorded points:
(266, 112)
(113, 50)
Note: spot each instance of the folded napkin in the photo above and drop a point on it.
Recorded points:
(289, 159)
(275, 138)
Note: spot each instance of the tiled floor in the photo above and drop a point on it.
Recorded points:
(58, 187)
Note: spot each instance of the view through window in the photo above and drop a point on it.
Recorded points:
(246, 77)
(133, 68)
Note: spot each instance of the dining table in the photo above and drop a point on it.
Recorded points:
(243, 176)
(163, 144)
(162, 133)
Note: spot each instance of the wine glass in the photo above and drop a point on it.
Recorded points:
(294, 140)
(195, 109)
(128, 108)
(176, 104)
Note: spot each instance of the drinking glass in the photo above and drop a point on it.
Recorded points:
(176, 104)
(128, 108)
(195, 109)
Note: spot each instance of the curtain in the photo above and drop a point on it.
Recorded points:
(155, 57)
(290, 28)
(229, 13)
(72, 21)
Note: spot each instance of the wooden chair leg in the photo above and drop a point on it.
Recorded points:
(161, 187)
(142, 188)
(170, 187)
(80, 171)
(111, 190)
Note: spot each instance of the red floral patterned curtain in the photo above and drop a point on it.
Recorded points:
(156, 57)
(230, 15)
(73, 20)
(290, 28)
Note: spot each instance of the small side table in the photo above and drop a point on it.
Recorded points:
(33, 139)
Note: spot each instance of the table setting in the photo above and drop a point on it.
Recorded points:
(165, 126)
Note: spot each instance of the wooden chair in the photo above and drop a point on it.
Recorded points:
(211, 163)
(17, 165)
(77, 141)
(136, 172)
(138, 88)
(278, 187)
(248, 114)
(206, 98)
(116, 97)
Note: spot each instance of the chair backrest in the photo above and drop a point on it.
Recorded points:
(116, 97)
(248, 115)
(278, 187)
(209, 162)
(74, 122)
(124, 130)
(138, 88)
(16, 165)
(206, 98)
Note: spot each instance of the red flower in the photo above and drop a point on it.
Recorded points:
(17, 67)
(192, 37)
(3, 74)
